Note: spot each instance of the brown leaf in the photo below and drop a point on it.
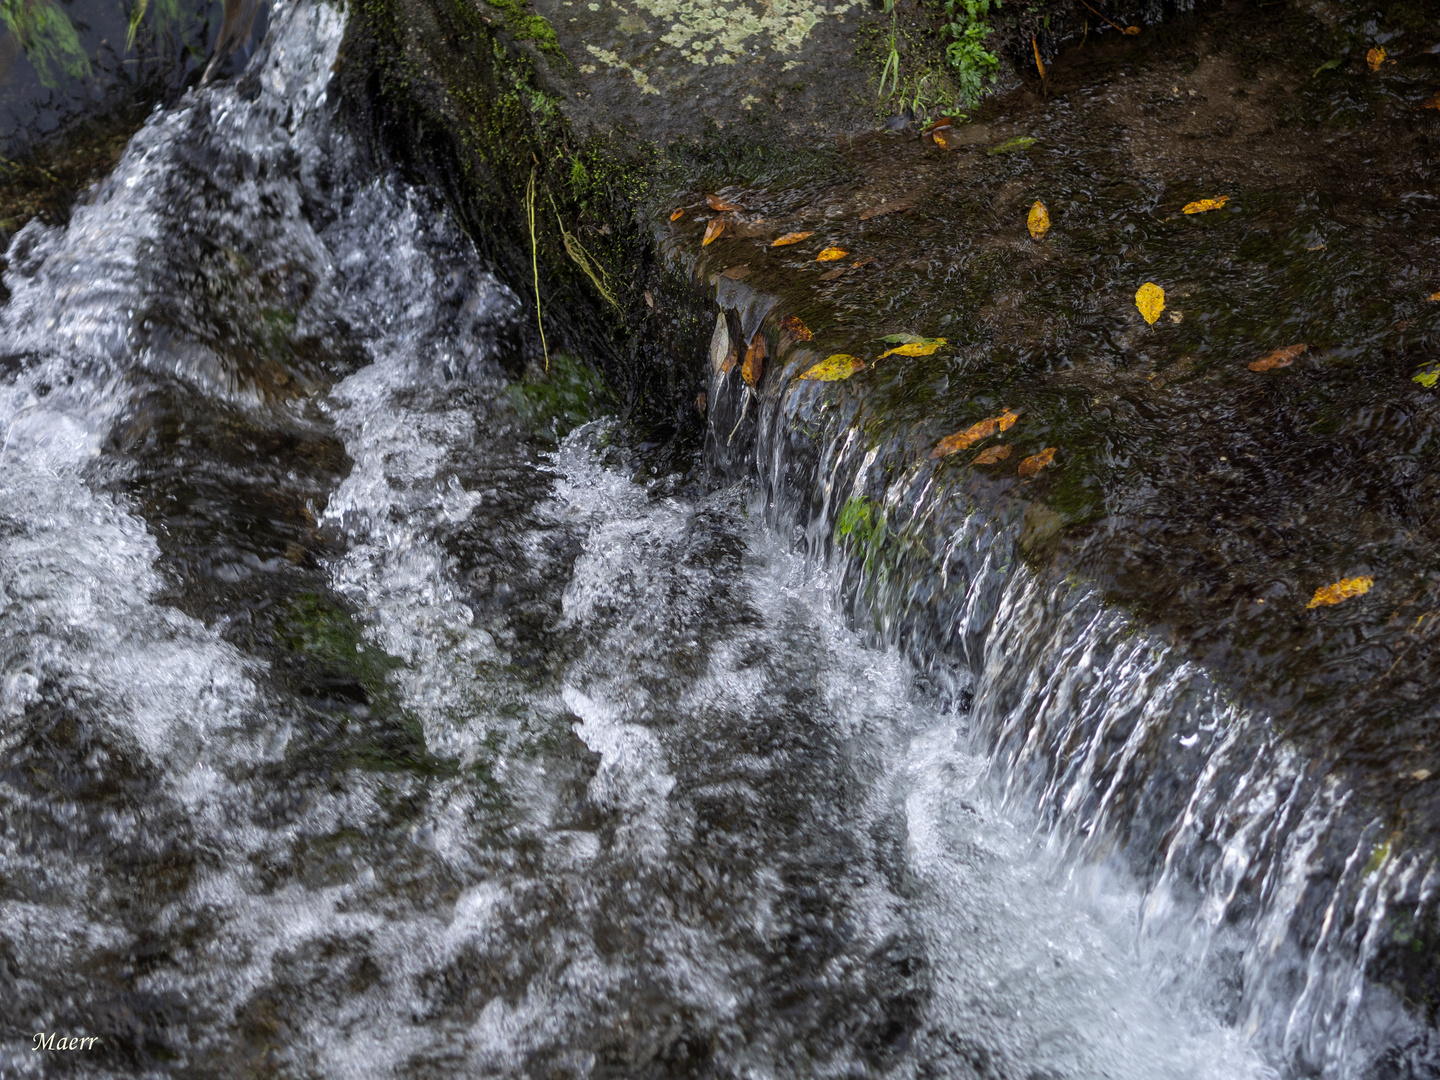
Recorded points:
(830, 254)
(714, 230)
(1035, 462)
(1278, 359)
(1432, 102)
(991, 454)
(717, 203)
(731, 359)
(940, 124)
(894, 206)
(831, 275)
(963, 440)
(862, 262)
(677, 213)
(1374, 58)
(792, 238)
(795, 328)
(735, 273)
(700, 402)
(754, 367)
(1340, 591)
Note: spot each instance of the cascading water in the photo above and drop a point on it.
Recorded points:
(349, 731)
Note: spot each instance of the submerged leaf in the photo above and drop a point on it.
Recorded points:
(1342, 590)
(922, 347)
(754, 367)
(792, 238)
(735, 273)
(677, 214)
(717, 203)
(1020, 142)
(1150, 299)
(1278, 359)
(991, 454)
(793, 326)
(1199, 206)
(830, 254)
(1035, 462)
(834, 368)
(963, 440)
(1375, 57)
(714, 230)
(894, 206)
(1328, 65)
(831, 275)
(1038, 221)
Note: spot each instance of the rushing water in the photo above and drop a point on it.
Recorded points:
(350, 728)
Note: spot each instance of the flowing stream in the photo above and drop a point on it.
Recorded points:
(349, 727)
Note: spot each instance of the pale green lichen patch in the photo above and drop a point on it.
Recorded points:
(610, 57)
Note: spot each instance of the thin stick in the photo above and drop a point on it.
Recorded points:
(1120, 28)
(743, 406)
(535, 262)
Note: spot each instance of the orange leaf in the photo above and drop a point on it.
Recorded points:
(963, 440)
(830, 254)
(938, 138)
(1279, 358)
(1435, 296)
(677, 214)
(731, 359)
(1201, 205)
(1375, 57)
(795, 328)
(1035, 462)
(714, 230)
(1038, 220)
(1432, 102)
(1132, 30)
(1039, 66)
(792, 238)
(754, 366)
(1340, 591)
(717, 203)
(991, 454)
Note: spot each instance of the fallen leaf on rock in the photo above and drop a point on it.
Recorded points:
(1278, 359)
(714, 231)
(991, 454)
(858, 263)
(1020, 142)
(677, 214)
(939, 125)
(830, 254)
(831, 275)
(1132, 30)
(1342, 590)
(792, 238)
(1199, 206)
(894, 206)
(1038, 220)
(1432, 102)
(1427, 379)
(834, 368)
(793, 326)
(649, 300)
(735, 273)
(1375, 57)
(1435, 296)
(938, 138)
(700, 401)
(1150, 299)
(922, 347)
(963, 440)
(1035, 462)
(717, 203)
(754, 367)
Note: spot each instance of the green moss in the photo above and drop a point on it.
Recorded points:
(862, 523)
(568, 395)
(527, 26)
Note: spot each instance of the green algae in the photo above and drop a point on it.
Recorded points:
(556, 402)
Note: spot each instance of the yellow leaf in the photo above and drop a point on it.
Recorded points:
(938, 138)
(963, 440)
(1375, 57)
(1341, 590)
(1201, 205)
(676, 215)
(713, 231)
(1039, 220)
(1150, 299)
(831, 254)
(834, 368)
(1132, 30)
(915, 348)
(792, 238)
(1035, 462)
(991, 454)
(1435, 296)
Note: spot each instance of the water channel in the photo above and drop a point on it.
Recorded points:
(354, 725)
